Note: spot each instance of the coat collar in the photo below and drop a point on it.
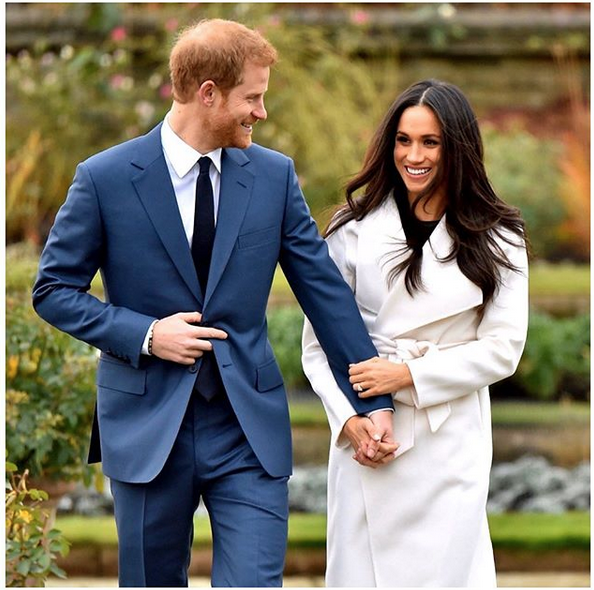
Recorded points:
(447, 291)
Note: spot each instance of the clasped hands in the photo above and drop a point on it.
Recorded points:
(372, 437)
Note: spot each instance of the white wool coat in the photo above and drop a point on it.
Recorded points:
(421, 520)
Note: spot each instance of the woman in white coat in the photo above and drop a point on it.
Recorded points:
(438, 265)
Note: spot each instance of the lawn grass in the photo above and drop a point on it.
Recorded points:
(546, 280)
(513, 413)
(559, 279)
(531, 531)
(309, 413)
(550, 414)
(536, 531)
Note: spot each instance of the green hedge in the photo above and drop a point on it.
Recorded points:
(533, 531)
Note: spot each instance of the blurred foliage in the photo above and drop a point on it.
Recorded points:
(285, 325)
(63, 107)
(32, 544)
(524, 172)
(50, 385)
(575, 165)
(324, 103)
(556, 360)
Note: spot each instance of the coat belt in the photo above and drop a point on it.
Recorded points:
(398, 351)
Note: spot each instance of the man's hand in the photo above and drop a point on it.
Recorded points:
(177, 339)
(366, 440)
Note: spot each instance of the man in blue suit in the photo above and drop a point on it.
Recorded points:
(186, 225)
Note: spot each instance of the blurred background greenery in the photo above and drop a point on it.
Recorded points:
(82, 77)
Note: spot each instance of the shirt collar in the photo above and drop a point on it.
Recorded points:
(182, 156)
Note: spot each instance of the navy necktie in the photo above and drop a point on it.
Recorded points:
(208, 383)
(204, 227)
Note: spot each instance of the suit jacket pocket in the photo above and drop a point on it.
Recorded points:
(268, 376)
(121, 377)
(258, 238)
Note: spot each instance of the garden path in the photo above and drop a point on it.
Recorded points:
(504, 580)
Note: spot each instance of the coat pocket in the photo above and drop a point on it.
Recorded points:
(121, 377)
(258, 238)
(268, 376)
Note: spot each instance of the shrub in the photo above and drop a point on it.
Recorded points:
(49, 395)
(32, 544)
(285, 325)
(556, 360)
(525, 173)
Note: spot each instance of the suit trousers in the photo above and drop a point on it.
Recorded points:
(248, 509)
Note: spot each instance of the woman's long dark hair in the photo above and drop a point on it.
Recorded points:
(475, 215)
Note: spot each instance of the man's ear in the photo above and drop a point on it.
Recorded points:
(207, 93)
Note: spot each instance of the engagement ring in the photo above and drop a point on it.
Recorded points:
(359, 388)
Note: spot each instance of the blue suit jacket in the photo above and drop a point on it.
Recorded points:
(121, 218)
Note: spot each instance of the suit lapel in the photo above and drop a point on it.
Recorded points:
(443, 282)
(235, 194)
(154, 188)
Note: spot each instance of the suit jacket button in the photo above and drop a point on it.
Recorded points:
(192, 368)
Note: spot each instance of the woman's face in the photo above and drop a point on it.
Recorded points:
(417, 152)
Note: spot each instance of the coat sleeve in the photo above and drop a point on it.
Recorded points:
(315, 363)
(326, 299)
(443, 375)
(71, 258)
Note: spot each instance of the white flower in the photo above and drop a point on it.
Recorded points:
(67, 52)
(51, 79)
(105, 60)
(446, 11)
(127, 83)
(47, 59)
(28, 86)
(155, 81)
(145, 110)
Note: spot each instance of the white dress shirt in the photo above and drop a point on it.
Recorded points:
(182, 163)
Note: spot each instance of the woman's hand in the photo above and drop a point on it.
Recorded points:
(378, 376)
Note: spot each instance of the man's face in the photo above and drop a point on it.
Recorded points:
(235, 114)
